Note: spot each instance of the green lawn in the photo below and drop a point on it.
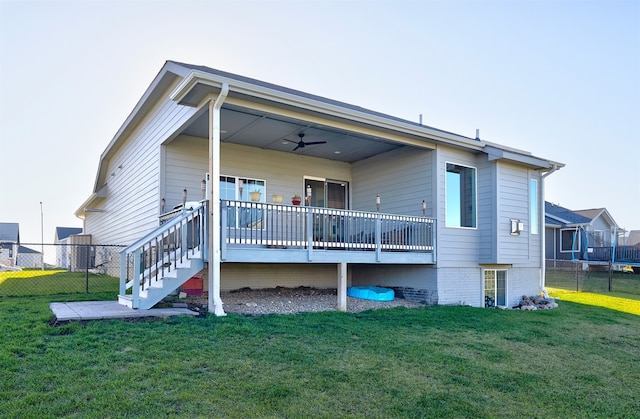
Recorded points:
(47, 282)
(577, 360)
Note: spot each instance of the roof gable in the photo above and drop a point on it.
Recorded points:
(10, 232)
(64, 232)
(595, 213)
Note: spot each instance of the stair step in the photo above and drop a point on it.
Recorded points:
(125, 300)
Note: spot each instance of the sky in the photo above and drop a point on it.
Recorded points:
(560, 79)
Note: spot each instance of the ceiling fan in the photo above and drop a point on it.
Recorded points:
(302, 144)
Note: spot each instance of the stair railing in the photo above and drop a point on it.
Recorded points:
(155, 255)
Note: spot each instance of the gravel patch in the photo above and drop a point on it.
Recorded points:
(281, 300)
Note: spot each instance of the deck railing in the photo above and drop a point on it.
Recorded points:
(179, 237)
(284, 226)
(622, 254)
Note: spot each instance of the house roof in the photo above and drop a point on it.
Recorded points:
(195, 85)
(563, 217)
(64, 232)
(595, 213)
(10, 232)
(24, 249)
(634, 238)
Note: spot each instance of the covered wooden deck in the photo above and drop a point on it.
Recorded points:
(273, 233)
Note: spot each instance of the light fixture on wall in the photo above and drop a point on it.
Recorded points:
(378, 202)
(517, 227)
(162, 204)
(184, 197)
(203, 186)
(424, 208)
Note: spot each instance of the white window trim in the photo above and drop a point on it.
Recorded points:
(239, 198)
(534, 215)
(506, 284)
(475, 196)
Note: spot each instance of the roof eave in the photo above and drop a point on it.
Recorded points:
(198, 86)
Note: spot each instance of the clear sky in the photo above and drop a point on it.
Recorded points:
(558, 78)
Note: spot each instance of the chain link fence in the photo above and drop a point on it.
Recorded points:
(591, 277)
(48, 269)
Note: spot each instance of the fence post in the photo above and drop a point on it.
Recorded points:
(86, 271)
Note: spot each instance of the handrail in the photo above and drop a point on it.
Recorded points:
(159, 252)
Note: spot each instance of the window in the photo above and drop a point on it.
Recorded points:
(569, 240)
(495, 288)
(598, 239)
(238, 189)
(533, 206)
(460, 185)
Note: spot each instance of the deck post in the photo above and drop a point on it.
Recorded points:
(342, 286)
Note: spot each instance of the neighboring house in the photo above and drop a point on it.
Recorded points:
(439, 217)
(633, 239)
(602, 230)
(64, 248)
(29, 258)
(9, 242)
(590, 235)
(565, 233)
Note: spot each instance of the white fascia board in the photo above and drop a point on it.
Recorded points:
(80, 211)
(196, 77)
(498, 153)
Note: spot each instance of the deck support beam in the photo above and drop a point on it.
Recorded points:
(342, 286)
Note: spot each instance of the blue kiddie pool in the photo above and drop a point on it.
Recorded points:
(371, 293)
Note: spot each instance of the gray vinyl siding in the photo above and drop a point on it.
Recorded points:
(132, 204)
(186, 163)
(402, 178)
(600, 224)
(487, 208)
(513, 203)
(457, 247)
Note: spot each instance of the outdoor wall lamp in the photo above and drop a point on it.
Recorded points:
(517, 227)
(424, 208)
(378, 202)
(184, 197)
(203, 187)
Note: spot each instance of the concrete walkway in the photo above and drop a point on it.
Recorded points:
(98, 310)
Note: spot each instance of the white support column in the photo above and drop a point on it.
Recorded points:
(342, 286)
(214, 300)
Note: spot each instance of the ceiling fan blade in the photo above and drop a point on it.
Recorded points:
(300, 145)
(316, 142)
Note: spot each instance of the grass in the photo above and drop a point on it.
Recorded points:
(49, 282)
(578, 360)
(593, 281)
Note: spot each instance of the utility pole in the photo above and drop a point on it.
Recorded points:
(41, 236)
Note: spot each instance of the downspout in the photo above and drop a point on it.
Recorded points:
(214, 300)
(543, 250)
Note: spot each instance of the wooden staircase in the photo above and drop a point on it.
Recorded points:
(159, 263)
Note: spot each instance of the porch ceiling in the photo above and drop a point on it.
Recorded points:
(275, 132)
